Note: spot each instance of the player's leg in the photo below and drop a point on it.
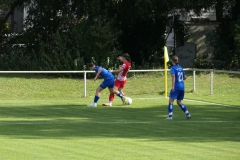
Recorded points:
(121, 85)
(121, 91)
(115, 91)
(102, 86)
(111, 95)
(111, 98)
(170, 109)
(181, 105)
(96, 97)
(119, 94)
(117, 85)
(173, 95)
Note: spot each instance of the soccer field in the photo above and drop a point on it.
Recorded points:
(68, 129)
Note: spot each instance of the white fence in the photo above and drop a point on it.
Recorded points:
(152, 70)
(211, 76)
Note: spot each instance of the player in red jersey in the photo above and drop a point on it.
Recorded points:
(122, 76)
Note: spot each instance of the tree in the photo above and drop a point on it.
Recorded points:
(237, 44)
(98, 27)
(224, 40)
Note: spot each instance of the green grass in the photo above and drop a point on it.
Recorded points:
(47, 118)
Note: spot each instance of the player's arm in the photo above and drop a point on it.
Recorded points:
(173, 81)
(184, 77)
(97, 74)
(119, 70)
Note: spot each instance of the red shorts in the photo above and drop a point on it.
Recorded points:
(119, 84)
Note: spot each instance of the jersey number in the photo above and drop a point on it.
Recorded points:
(180, 76)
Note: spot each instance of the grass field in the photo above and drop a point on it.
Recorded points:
(47, 118)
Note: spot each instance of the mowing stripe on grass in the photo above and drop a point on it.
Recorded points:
(106, 122)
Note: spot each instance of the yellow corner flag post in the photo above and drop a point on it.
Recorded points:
(166, 59)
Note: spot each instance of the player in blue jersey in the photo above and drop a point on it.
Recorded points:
(107, 82)
(177, 91)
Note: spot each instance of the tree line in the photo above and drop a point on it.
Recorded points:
(67, 34)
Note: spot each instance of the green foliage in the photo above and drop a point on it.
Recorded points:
(221, 54)
(237, 42)
(96, 38)
(225, 55)
(202, 62)
(143, 27)
(95, 29)
(60, 54)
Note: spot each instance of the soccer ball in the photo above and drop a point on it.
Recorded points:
(128, 101)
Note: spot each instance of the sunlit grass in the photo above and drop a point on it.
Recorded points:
(47, 118)
(226, 87)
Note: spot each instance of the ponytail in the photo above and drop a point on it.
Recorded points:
(175, 59)
(127, 56)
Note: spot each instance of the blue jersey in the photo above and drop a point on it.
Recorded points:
(179, 75)
(104, 73)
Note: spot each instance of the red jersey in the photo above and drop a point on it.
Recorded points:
(122, 76)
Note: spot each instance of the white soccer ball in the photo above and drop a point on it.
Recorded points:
(128, 101)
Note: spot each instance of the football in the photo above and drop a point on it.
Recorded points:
(128, 101)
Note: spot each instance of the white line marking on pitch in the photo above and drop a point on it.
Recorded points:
(225, 105)
(218, 104)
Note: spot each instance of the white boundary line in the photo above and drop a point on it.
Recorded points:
(218, 104)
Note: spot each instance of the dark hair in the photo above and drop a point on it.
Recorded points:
(91, 64)
(127, 56)
(175, 59)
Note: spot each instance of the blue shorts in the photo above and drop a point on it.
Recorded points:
(107, 83)
(177, 94)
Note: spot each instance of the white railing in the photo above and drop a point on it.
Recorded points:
(211, 76)
(150, 70)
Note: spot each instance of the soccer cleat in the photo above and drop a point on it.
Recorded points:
(169, 118)
(107, 104)
(188, 116)
(124, 100)
(92, 105)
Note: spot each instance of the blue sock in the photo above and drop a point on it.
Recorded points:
(184, 108)
(96, 98)
(170, 110)
(120, 95)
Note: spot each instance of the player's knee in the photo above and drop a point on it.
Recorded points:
(99, 89)
(111, 92)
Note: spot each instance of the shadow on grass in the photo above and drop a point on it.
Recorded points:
(208, 123)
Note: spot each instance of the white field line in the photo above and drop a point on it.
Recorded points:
(218, 104)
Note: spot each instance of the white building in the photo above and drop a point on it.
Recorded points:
(206, 16)
(195, 45)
